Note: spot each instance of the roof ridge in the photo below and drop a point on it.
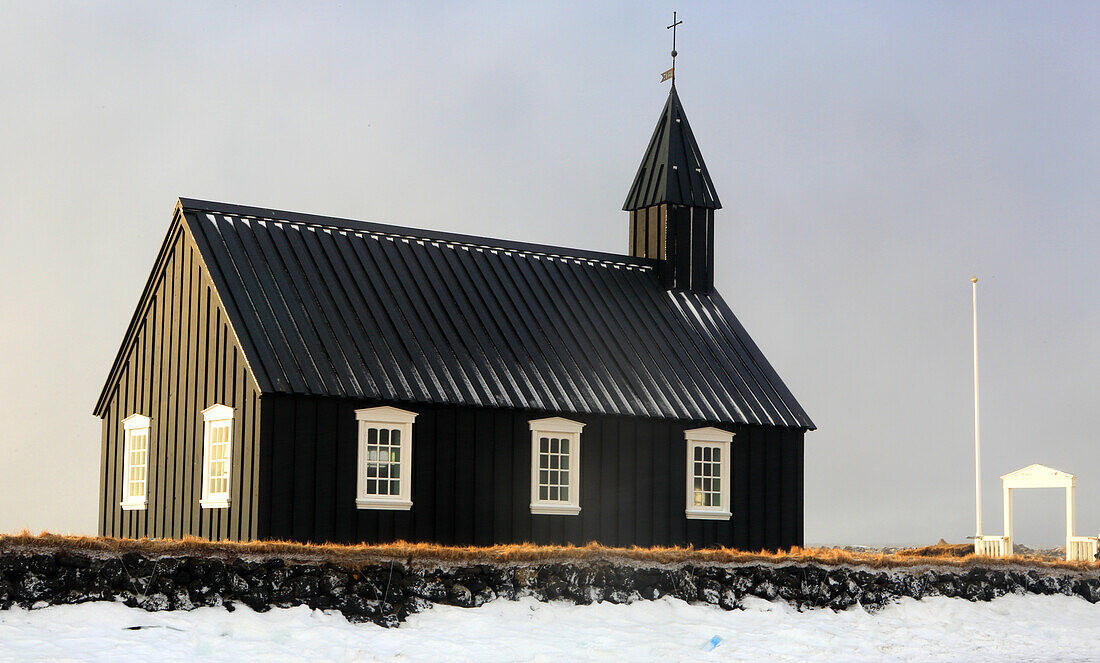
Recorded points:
(419, 234)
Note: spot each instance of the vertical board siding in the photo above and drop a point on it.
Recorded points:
(521, 471)
(471, 480)
(324, 512)
(627, 475)
(305, 477)
(483, 462)
(793, 476)
(180, 358)
(278, 441)
(103, 481)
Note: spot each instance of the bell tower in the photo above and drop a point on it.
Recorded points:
(672, 203)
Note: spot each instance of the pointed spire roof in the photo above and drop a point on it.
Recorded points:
(672, 170)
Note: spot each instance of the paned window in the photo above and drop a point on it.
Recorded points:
(217, 450)
(708, 473)
(384, 476)
(135, 461)
(555, 470)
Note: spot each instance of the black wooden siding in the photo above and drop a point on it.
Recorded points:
(680, 236)
(471, 480)
(179, 357)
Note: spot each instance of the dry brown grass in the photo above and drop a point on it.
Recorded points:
(945, 555)
(940, 550)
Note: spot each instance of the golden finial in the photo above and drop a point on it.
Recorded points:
(973, 279)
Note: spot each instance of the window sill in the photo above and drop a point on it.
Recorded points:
(385, 505)
(555, 509)
(133, 506)
(707, 515)
(215, 503)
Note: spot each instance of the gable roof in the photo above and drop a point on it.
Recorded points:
(1036, 476)
(333, 307)
(672, 170)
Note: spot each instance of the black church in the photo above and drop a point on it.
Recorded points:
(291, 376)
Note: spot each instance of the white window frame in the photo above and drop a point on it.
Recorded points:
(718, 439)
(563, 429)
(135, 424)
(213, 417)
(393, 419)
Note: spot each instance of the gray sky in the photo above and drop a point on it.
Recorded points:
(870, 156)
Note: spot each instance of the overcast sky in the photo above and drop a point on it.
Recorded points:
(870, 157)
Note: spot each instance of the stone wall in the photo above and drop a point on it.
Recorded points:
(387, 592)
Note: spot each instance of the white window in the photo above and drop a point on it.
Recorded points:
(135, 461)
(555, 466)
(708, 473)
(384, 477)
(217, 445)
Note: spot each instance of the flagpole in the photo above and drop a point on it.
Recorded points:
(977, 421)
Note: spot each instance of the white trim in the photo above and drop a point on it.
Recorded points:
(556, 425)
(563, 429)
(385, 415)
(555, 510)
(383, 504)
(390, 418)
(217, 412)
(714, 438)
(708, 434)
(216, 416)
(135, 424)
(700, 514)
(136, 421)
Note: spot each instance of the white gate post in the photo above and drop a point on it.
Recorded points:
(1071, 491)
(1070, 510)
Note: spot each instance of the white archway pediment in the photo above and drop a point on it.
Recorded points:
(1038, 476)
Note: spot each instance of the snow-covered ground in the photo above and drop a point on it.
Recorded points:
(1030, 628)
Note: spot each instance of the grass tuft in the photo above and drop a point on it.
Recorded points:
(943, 554)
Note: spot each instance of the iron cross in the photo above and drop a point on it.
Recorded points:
(672, 72)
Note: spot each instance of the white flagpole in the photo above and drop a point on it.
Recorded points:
(977, 424)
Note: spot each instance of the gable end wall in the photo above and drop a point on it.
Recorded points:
(180, 357)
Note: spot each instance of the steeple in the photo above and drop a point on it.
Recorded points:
(672, 203)
(672, 170)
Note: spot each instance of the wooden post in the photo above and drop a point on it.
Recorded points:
(1070, 514)
(1008, 520)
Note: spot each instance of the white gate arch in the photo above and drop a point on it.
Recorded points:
(1041, 476)
(1038, 476)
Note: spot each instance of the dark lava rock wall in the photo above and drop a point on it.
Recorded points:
(387, 592)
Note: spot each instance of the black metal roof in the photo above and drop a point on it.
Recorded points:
(672, 170)
(333, 307)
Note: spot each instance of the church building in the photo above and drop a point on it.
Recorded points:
(302, 377)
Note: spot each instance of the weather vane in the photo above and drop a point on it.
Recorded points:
(671, 73)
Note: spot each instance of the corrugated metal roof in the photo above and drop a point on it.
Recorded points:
(672, 170)
(334, 307)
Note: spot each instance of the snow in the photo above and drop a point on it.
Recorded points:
(935, 629)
